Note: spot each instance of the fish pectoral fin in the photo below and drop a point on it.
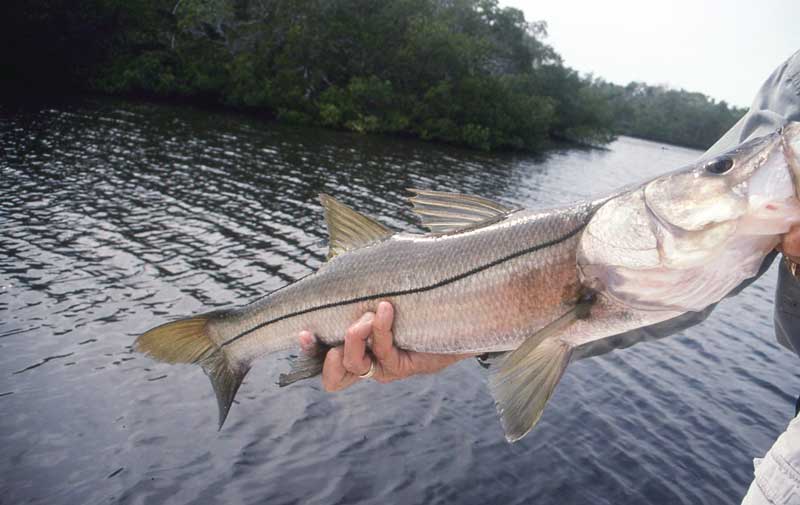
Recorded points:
(349, 229)
(305, 366)
(443, 212)
(526, 378)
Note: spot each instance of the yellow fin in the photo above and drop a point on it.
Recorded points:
(443, 212)
(348, 228)
(526, 377)
(187, 341)
(182, 341)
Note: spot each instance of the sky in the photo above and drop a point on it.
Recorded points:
(723, 49)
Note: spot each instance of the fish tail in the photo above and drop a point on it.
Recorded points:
(188, 341)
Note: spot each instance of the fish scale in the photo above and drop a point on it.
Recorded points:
(442, 285)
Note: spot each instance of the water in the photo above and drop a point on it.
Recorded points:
(116, 215)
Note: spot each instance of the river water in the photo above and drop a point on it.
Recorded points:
(116, 215)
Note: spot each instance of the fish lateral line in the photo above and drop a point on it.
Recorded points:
(410, 291)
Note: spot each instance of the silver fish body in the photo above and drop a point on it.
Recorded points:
(477, 291)
(538, 283)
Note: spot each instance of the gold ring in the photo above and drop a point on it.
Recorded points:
(369, 373)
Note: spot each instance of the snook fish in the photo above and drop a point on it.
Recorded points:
(536, 285)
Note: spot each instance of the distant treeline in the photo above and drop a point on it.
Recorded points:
(459, 71)
(667, 115)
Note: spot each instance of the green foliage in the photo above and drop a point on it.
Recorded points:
(460, 71)
(148, 72)
(667, 115)
(476, 136)
(245, 86)
(295, 117)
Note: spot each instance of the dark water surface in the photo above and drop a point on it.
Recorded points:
(115, 216)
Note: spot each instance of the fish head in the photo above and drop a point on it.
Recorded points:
(684, 240)
(751, 179)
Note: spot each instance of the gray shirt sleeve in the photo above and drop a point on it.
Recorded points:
(777, 103)
(787, 309)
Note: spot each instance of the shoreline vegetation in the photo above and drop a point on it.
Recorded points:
(464, 72)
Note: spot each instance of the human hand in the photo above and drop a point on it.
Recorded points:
(345, 363)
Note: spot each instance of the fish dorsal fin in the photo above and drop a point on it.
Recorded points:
(349, 229)
(442, 212)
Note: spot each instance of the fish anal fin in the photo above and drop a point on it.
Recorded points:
(348, 228)
(526, 378)
(305, 366)
(443, 212)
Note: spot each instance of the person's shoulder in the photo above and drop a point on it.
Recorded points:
(787, 94)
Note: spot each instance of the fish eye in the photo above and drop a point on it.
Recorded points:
(719, 166)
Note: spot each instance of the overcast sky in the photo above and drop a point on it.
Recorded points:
(722, 49)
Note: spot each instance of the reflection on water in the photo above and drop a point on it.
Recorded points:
(116, 216)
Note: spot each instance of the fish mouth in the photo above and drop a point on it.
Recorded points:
(790, 144)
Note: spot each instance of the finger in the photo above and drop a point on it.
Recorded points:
(334, 375)
(382, 338)
(355, 359)
(307, 342)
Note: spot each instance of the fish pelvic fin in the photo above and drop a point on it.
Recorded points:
(187, 341)
(525, 379)
(305, 366)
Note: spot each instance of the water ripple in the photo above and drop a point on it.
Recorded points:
(118, 215)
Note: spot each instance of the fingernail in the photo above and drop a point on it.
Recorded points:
(367, 318)
(383, 309)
